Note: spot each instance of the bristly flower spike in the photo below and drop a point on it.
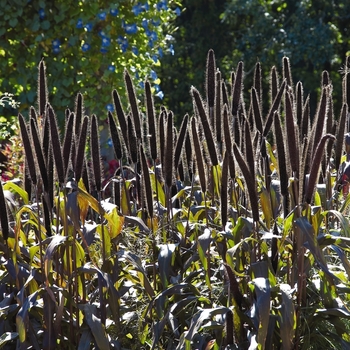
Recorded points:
(152, 130)
(256, 110)
(218, 109)
(95, 152)
(304, 130)
(115, 136)
(273, 83)
(133, 149)
(27, 149)
(189, 154)
(67, 141)
(281, 155)
(45, 136)
(56, 146)
(319, 123)
(313, 177)
(325, 79)
(42, 88)
(224, 94)
(120, 115)
(168, 169)
(237, 89)
(146, 182)
(299, 103)
(80, 156)
(39, 155)
(274, 107)
(287, 73)
(161, 131)
(133, 104)
(340, 136)
(199, 156)
(180, 141)
(206, 127)
(249, 152)
(4, 221)
(346, 87)
(210, 84)
(79, 112)
(250, 182)
(257, 82)
(293, 149)
(224, 185)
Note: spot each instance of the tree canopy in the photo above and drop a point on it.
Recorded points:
(86, 46)
(313, 34)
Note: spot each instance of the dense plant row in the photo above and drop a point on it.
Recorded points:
(230, 232)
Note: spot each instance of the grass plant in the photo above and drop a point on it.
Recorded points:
(232, 233)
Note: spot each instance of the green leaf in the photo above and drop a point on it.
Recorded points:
(317, 199)
(115, 223)
(327, 289)
(343, 259)
(344, 222)
(263, 291)
(181, 290)
(35, 24)
(7, 337)
(136, 262)
(33, 250)
(216, 173)
(49, 309)
(85, 340)
(203, 245)
(309, 238)
(135, 220)
(105, 238)
(345, 204)
(272, 154)
(200, 317)
(56, 241)
(337, 312)
(73, 209)
(94, 204)
(288, 224)
(287, 316)
(95, 326)
(13, 22)
(241, 230)
(266, 206)
(22, 317)
(231, 258)
(166, 258)
(157, 188)
(9, 185)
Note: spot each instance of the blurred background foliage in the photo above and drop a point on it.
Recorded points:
(86, 46)
(315, 35)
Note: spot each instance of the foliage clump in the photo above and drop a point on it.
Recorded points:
(87, 45)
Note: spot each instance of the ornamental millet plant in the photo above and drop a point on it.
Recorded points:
(230, 232)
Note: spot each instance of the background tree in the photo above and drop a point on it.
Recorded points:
(199, 29)
(313, 34)
(86, 45)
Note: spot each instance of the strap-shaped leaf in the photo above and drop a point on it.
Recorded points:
(95, 325)
(262, 304)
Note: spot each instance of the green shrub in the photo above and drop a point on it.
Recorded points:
(86, 44)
